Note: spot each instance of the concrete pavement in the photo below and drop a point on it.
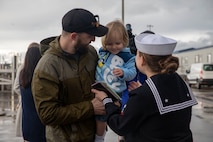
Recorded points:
(201, 125)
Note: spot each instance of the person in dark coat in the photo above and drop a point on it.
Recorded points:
(160, 110)
(32, 128)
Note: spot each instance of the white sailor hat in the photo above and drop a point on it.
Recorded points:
(154, 44)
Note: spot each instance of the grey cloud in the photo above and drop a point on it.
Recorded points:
(26, 20)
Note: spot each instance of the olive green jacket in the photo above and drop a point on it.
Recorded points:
(62, 94)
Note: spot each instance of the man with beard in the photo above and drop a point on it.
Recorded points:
(62, 79)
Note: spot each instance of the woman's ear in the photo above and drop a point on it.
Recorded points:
(143, 61)
(141, 58)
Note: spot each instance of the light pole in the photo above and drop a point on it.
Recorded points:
(123, 11)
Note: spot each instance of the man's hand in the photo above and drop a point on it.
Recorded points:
(99, 94)
(98, 106)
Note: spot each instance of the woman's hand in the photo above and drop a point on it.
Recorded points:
(100, 95)
(117, 103)
(133, 85)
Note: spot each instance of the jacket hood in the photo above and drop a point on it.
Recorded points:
(51, 45)
(44, 44)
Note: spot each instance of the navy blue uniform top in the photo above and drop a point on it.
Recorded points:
(158, 111)
(32, 128)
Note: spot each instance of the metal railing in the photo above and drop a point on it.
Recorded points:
(8, 100)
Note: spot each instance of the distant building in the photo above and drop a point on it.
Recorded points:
(6, 60)
(193, 55)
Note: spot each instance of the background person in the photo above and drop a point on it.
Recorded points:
(63, 78)
(16, 88)
(159, 110)
(32, 128)
(131, 36)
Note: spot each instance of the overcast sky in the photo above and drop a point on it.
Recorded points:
(190, 22)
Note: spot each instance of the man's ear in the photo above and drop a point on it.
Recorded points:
(74, 36)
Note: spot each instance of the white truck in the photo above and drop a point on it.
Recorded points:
(200, 74)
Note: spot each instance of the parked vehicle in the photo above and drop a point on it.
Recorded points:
(200, 74)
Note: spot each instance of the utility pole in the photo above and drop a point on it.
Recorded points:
(150, 27)
(122, 11)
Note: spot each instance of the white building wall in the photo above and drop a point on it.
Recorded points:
(199, 55)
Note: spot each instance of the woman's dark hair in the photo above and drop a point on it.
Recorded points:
(31, 59)
(161, 64)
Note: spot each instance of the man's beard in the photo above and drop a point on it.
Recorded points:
(81, 48)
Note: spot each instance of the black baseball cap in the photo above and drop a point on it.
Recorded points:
(81, 20)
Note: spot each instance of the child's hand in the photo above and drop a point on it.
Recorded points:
(118, 72)
(133, 85)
